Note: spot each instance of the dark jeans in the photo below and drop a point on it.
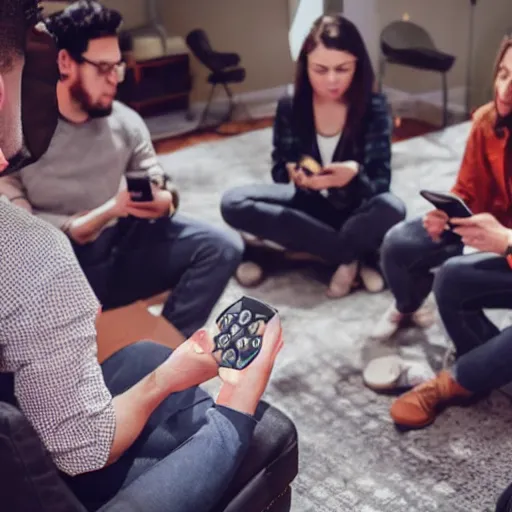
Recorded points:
(464, 285)
(137, 259)
(309, 223)
(185, 457)
(408, 256)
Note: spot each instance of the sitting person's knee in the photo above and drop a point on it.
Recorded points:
(404, 242)
(395, 241)
(132, 363)
(449, 277)
(228, 247)
(231, 202)
(391, 208)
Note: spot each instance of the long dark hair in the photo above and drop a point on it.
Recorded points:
(337, 33)
(501, 122)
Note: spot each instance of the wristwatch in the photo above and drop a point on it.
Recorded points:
(163, 182)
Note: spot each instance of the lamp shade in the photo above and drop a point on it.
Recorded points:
(307, 12)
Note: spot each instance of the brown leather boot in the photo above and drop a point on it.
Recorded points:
(418, 407)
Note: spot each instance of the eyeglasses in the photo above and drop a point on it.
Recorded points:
(106, 68)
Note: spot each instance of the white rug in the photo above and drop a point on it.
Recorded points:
(352, 458)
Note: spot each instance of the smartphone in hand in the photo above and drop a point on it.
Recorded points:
(449, 203)
(309, 166)
(139, 188)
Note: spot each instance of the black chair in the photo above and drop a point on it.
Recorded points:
(408, 44)
(224, 67)
(30, 481)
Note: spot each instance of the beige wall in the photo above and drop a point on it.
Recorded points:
(448, 23)
(257, 30)
(491, 24)
(260, 34)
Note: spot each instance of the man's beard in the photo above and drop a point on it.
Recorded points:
(82, 97)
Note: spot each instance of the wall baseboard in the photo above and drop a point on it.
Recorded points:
(426, 106)
(263, 98)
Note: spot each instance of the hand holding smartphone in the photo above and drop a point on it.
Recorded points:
(309, 166)
(449, 203)
(139, 188)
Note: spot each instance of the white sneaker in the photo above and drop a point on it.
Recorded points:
(415, 374)
(372, 279)
(392, 372)
(249, 274)
(387, 325)
(390, 321)
(342, 280)
(424, 317)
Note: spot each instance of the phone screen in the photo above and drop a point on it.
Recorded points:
(140, 189)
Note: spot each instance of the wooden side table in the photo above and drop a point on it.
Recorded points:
(158, 85)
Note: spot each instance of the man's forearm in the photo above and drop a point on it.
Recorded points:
(133, 409)
(241, 398)
(86, 227)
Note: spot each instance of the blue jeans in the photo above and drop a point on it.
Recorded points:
(309, 223)
(185, 457)
(137, 259)
(408, 256)
(464, 285)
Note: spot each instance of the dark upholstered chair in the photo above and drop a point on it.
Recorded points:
(31, 482)
(224, 69)
(408, 44)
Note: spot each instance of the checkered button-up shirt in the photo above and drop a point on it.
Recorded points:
(48, 340)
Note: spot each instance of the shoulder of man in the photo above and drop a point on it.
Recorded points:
(130, 123)
(32, 249)
(126, 114)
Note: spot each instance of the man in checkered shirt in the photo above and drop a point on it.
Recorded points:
(136, 432)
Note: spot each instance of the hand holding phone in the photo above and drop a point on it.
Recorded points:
(449, 203)
(447, 206)
(309, 166)
(139, 188)
(435, 223)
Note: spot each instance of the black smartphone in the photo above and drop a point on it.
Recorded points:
(449, 203)
(139, 189)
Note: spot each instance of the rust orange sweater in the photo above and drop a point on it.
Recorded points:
(485, 178)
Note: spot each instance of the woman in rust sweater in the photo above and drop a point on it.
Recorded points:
(464, 285)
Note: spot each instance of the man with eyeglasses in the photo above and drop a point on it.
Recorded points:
(128, 250)
(135, 433)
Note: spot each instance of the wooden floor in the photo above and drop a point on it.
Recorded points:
(408, 128)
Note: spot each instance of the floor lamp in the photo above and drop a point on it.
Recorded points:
(469, 67)
(153, 24)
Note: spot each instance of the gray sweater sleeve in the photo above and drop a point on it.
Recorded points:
(11, 187)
